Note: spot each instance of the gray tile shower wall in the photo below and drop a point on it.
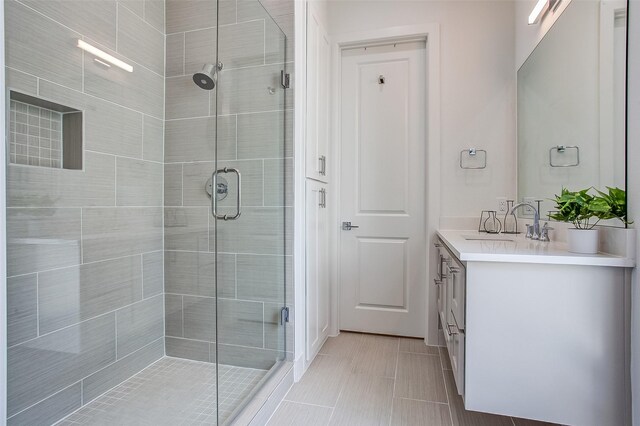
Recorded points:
(85, 247)
(254, 252)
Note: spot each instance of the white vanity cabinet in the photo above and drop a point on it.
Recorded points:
(533, 331)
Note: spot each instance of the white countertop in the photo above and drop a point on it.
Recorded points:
(518, 249)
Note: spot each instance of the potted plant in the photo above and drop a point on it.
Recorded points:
(585, 210)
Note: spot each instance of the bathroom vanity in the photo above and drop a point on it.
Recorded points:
(534, 331)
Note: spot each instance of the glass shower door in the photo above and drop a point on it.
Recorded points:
(128, 301)
(252, 249)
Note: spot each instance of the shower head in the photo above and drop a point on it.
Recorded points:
(206, 79)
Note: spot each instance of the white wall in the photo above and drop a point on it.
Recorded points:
(320, 10)
(633, 188)
(477, 87)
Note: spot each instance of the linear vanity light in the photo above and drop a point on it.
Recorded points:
(104, 55)
(536, 13)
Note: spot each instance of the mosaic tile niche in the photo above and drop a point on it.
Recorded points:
(35, 136)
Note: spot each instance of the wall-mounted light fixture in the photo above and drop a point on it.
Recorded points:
(104, 56)
(537, 11)
(542, 7)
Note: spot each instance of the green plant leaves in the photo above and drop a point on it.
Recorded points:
(579, 207)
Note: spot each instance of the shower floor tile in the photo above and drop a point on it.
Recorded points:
(172, 391)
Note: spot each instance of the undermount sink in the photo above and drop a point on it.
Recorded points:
(487, 238)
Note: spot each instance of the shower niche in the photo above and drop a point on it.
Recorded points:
(44, 133)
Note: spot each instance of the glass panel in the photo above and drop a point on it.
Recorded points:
(85, 214)
(191, 162)
(125, 296)
(251, 102)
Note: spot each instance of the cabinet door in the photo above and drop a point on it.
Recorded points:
(317, 276)
(323, 266)
(456, 348)
(440, 282)
(457, 277)
(454, 280)
(318, 72)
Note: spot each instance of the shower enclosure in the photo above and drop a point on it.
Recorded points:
(149, 208)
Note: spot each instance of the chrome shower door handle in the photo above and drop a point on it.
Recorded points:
(214, 200)
(239, 196)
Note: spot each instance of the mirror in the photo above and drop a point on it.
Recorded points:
(571, 105)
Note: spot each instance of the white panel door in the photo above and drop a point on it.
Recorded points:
(383, 262)
(317, 280)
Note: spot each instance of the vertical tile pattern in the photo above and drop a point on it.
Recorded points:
(85, 246)
(253, 256)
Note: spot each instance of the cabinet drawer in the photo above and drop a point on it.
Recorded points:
(455, 338)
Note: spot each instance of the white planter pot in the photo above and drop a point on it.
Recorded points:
(584, 241)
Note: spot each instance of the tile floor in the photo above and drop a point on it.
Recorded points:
(363, 379)
(172, 391)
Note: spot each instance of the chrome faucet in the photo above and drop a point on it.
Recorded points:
(544, 232)
(535, 234)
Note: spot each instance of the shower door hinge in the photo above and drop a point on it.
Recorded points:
(284, 315)
(285, 79)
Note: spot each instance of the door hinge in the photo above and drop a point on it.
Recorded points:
(285, 79)
(284, 315)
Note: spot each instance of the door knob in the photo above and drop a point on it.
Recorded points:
(347, 226)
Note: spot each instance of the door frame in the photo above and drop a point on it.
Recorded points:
(430, 33)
